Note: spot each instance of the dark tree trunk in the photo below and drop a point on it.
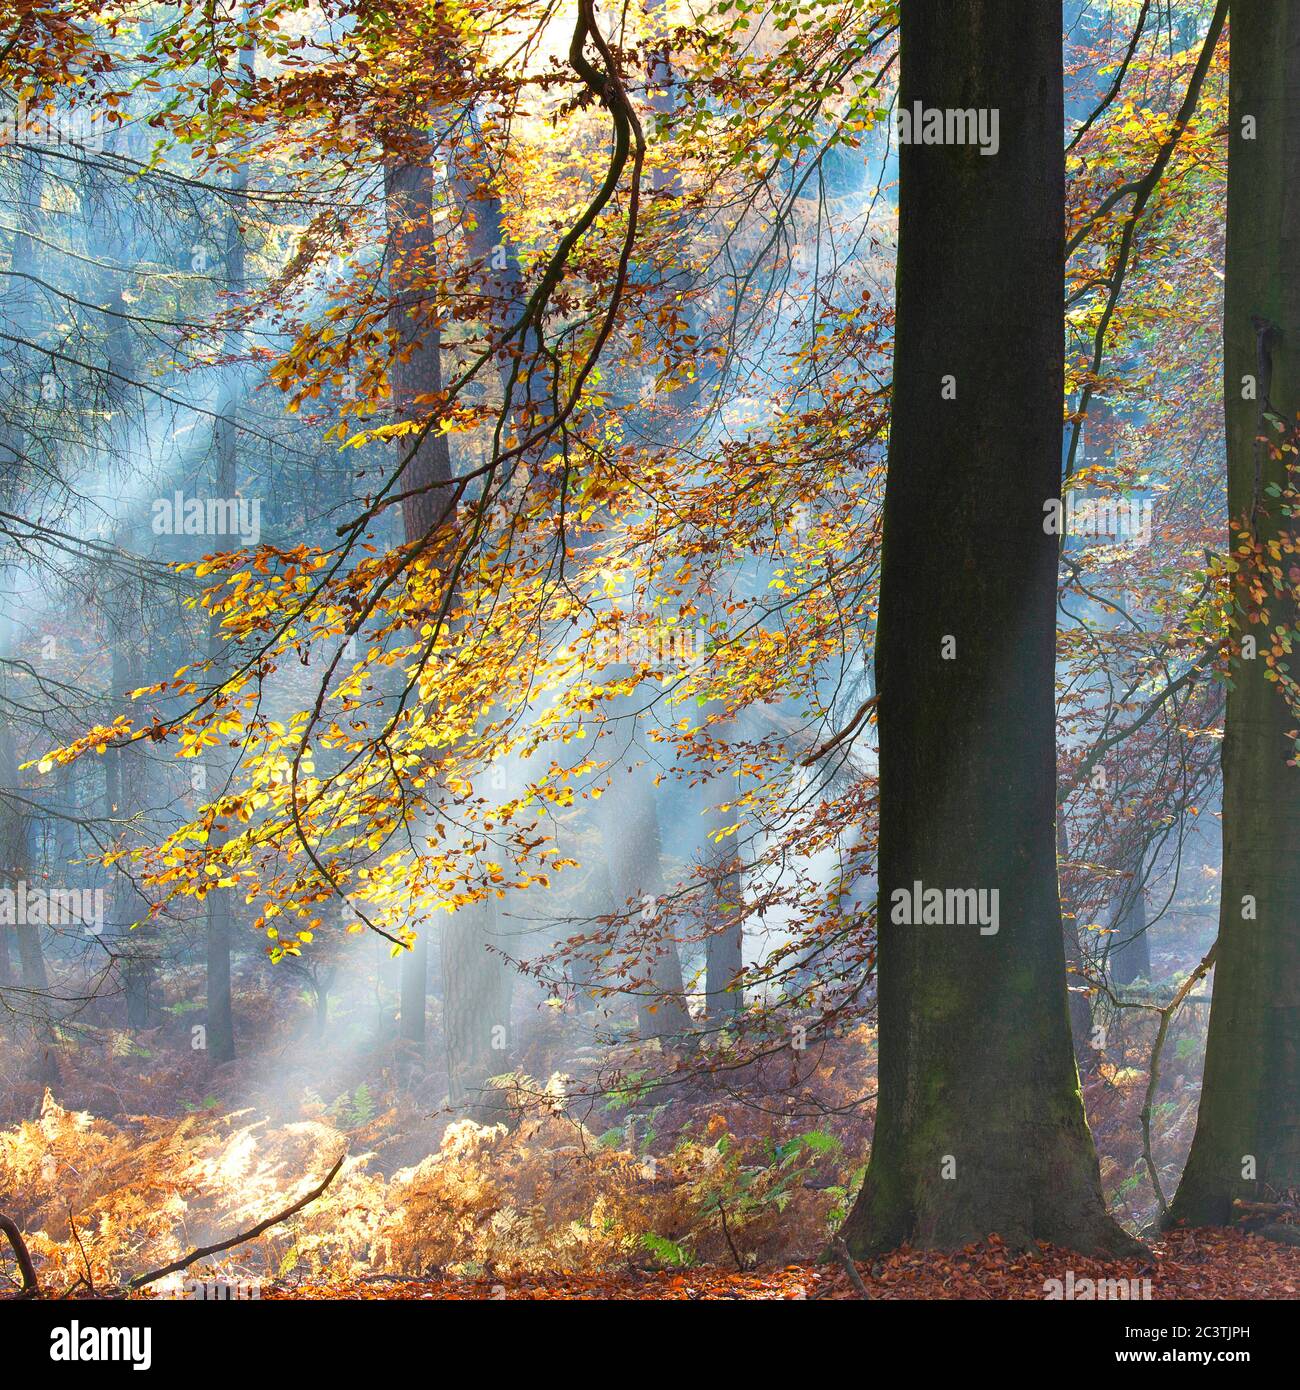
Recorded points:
(979, 1123)
(1247, 1141)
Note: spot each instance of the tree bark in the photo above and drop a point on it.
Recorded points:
(1247, 1141)
(979, 1124)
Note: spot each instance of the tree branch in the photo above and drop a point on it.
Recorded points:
(25, 1267)
(186, 1260)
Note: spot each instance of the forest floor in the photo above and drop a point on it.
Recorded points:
(120, 1152)
(1204, 1264)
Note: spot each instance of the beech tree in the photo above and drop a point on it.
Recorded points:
(1247, 1142)
(979, 1124)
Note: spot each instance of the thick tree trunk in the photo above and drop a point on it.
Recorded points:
(979, 1123)
(1247, 1141)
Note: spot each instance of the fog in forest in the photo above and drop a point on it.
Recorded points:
(457, 470)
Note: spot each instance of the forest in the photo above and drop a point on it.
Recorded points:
(645, 653)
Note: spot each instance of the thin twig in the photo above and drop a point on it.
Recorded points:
(735, 1254)
(90, 1278)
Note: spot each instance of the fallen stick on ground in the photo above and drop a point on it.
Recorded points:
(841, 1252)
(186, 1260)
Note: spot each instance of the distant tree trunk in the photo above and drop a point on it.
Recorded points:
(67, 814)
(596, 901)
(476, 981)
(125, 787)
(979, 1124)
(634, 850)
(17, 308)
(475, 1011)
(1085, 1055)
(15, 860)
(725, 954)
(409, 192)
(413, 991)
(1128, 956)
(220, 1010)
(1247, 1141)
(17, 305)
(724, 946)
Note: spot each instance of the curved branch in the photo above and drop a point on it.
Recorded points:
(31, 1288)
(185, 1261)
